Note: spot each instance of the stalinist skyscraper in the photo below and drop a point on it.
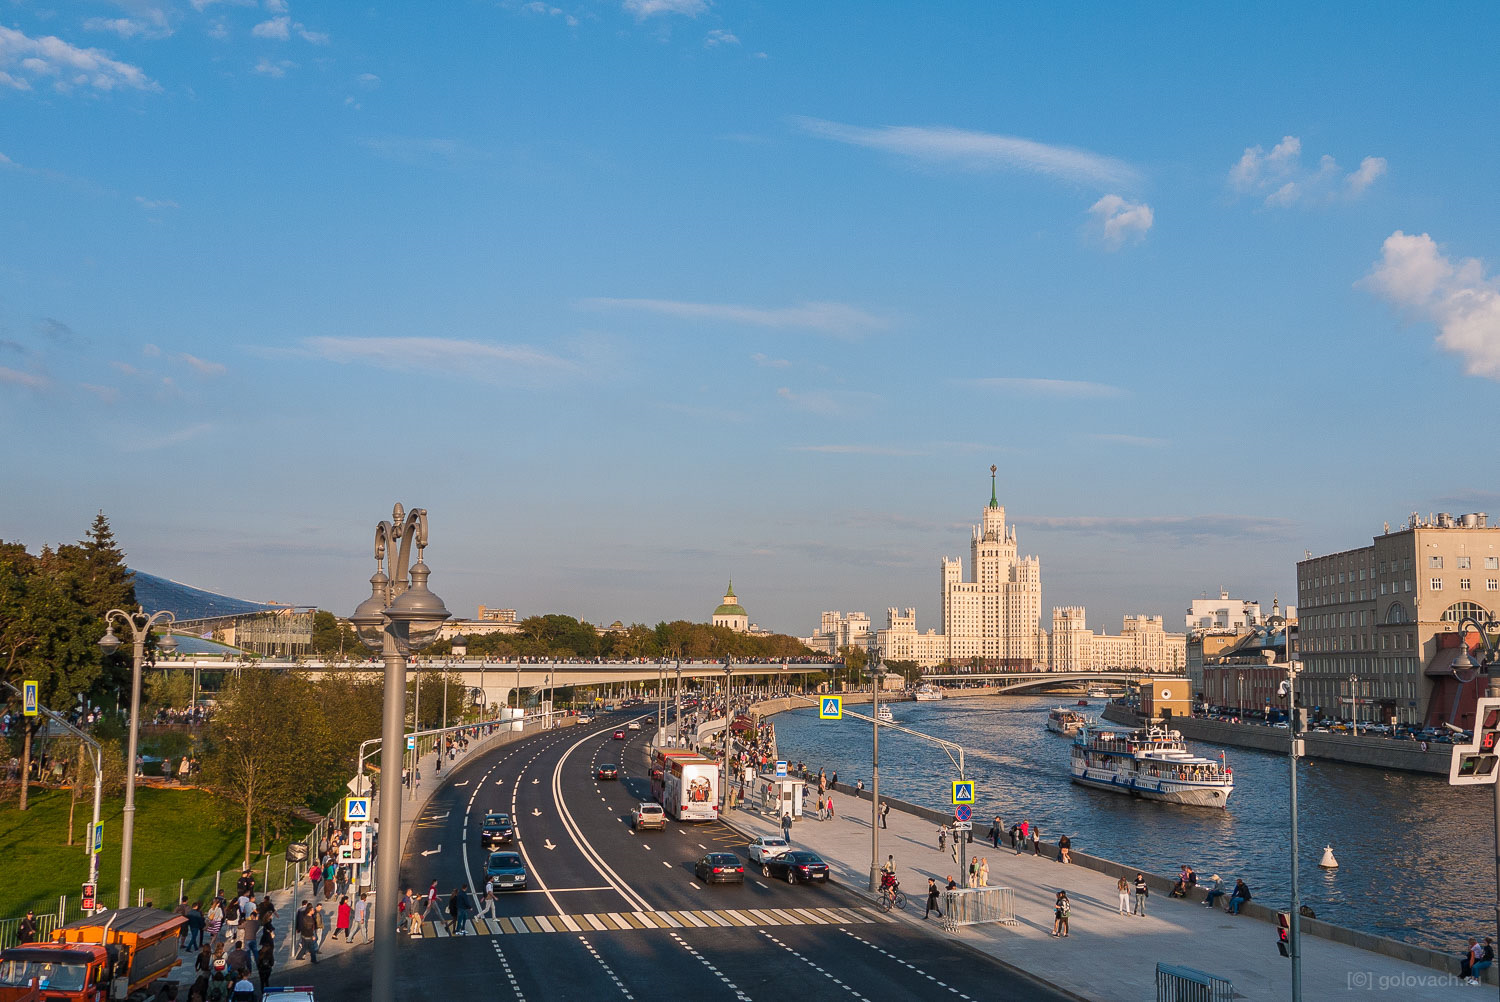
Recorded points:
(996, 613)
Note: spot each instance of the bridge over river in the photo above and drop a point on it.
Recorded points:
(1016, 682)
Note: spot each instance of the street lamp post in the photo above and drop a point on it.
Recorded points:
(724, 794)
(677, 708)
(140, 628)
(1354, 702)
(400, 616)
(1294, 930)
(1490, 666)
(877, 676)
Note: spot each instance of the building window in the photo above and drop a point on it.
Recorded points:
(1463, 584)
(1435, 563)
(1492, 585)
(1491, 563)
(1458, 610)
(1463, 563)
(1437, 584)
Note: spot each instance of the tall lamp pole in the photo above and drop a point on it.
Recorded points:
(1489, 665)
(400, 616)
(724, 793)
(1294, 930)
(877, 676)
(1354, 702)
(140, 627)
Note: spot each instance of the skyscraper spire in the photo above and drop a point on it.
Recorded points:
(994, 501)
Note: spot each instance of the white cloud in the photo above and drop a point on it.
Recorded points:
(152, 204)
(828, 318)
(313, 37)
(273, 69)
(150, 351)
(1121, 221)
(643, 9)
(151, 23)
(68, 66)
(829, 403)
(1283, 180)
(418, 151)
(718, 36)
(278, 28)
(980, 151)
(448, 355)
(766, 362)
(218, 30)
(15, 377)
(138, 443)
(368, 80)
(6, 161)
(1048, 387)
(1415, 275)
(277, 6)
(201, 366)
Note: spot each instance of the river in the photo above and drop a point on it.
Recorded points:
(1416, 856)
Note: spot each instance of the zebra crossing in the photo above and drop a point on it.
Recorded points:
(716, 918)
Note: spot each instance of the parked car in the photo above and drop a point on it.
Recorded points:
(763, 847)
(648, 815)
(607, 770)
(797, 867)
(497, 829)
(507, 871)
(720, 868)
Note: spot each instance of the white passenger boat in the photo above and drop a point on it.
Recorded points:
(1066, 720)
(1152, 763)
(928, 693)
(885, 715)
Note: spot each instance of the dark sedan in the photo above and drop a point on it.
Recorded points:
(497, 829)
(720, 868)
(798, 867)
(607, 771)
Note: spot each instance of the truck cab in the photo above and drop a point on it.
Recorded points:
(111, 955)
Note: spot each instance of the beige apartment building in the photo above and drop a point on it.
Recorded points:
(1377, 624)
(1141, 645)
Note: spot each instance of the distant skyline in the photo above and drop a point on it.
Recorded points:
(636, 296)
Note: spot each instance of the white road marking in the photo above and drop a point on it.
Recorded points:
(515, 985)
(433, 852)
(812, 964)
(694, 886)
(666, 864)
(607, 970)
(909, 966)
(714, 970)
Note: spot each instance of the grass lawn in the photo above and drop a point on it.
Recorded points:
(179, 834)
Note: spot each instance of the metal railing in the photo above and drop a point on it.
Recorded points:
(977, 905)
(1175, 983)
(10, 929)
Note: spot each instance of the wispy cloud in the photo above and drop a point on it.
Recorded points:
(718, 37)
(1457, 296)
(829, 403)
(107, 394)
(981, 151)
(479, 359)
(1282, 178)
(766, 362)
(149, 23)
(711, 414)
(275, 69)
(24, 59)
(1047, 387)
(277, 29)
(643, 9)
(58, 332)
(1183, 529)
(30, 380)
(153, 443)
(421, 152)
(201, 366)
(1142, 441)
(151, 204)
(827, 318)
(858, 450)
(1120, 222)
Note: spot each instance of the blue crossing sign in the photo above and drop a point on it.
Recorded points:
(356, 809)
(96, 839)
(963, 791)
(29, 699)
(831, 708)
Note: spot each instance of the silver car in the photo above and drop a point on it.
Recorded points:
(764, 847)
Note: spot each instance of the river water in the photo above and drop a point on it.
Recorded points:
(1416, 856)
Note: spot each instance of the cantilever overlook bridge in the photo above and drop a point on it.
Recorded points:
(1035, 681)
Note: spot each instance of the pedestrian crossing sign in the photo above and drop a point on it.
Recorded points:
(831, 708)
(963, 791)
(29, 700)
(356, 808)
(96, 838)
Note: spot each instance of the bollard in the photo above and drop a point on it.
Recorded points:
(181, 888)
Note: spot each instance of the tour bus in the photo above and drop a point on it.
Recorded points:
(690, 788)
(660, 763)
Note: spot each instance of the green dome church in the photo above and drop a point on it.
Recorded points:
(731, 613)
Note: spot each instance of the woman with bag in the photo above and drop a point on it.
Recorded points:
(1060, 911)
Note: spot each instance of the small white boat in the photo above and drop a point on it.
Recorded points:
(928, 693)
(1066, 720)
(885, 715)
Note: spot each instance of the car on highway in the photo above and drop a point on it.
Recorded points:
(634, 725)
(720, 868)
(797, 867)
(497, 829)
(648, 815)
(585, 718)
(507, 871)
(619, 735)
(763, 847)
(607, 770)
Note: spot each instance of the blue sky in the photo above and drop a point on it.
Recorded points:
(638, 295)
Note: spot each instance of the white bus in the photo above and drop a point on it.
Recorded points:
(690, 789)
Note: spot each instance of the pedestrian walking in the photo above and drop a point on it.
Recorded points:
(932, 900)
(885, 812)
(1060, 910)
(1015, 838)
(265, 959)
(306, 925)
(1142, 892)
(461, 923)
(1036, 840)
(344, 920)
(984, 871)
(215, 919)
(195, 925)
(830, 807)
(942, 838)
(786, 826)
(1123, 886)
(487, 901)
(995, 829)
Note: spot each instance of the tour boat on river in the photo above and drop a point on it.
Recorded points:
(1066, 720)
(927, 693)
(1152, 763)
(885, 715)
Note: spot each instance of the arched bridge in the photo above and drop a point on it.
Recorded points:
(1035, 681)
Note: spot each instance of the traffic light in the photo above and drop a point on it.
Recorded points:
(1478, 762)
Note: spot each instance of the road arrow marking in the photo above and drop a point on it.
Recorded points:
(430, 852)
(535, 782)
(536, 812)
(499, 782)
(548, 844)
(464, 783)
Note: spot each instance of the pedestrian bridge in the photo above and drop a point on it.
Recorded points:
(1036, 681)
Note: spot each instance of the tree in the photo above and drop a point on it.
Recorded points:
(331, 638)
(855, 659)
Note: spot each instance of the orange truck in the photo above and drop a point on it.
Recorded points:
(110, 955)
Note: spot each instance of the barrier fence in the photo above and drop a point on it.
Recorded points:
(10, 929)
(977, 905)
(1184, 984)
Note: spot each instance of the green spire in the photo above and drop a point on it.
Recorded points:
(730, 592)
(994, 502)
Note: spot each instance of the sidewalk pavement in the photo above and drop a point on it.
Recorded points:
(1108, 956)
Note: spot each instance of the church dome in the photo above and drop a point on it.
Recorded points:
(730, 610)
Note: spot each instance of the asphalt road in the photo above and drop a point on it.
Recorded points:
(583, 859)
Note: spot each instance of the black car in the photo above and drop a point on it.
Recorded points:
(497, 830)
(607, 771)
(720, 868)
(798, 867)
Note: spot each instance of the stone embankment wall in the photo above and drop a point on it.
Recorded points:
(1379, 753)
